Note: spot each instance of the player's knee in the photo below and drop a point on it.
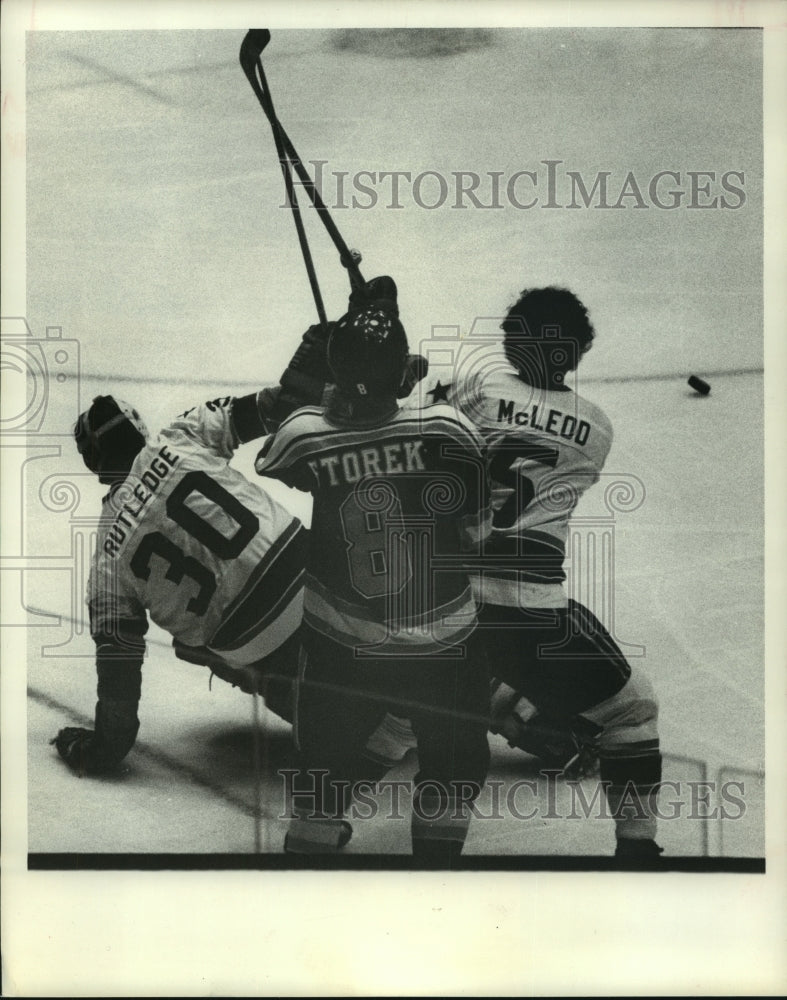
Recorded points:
(631, 715)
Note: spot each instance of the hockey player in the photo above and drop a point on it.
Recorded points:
(389, 619)
(560, 669)
(188, 539)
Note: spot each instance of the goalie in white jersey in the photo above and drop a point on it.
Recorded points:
(561, 670)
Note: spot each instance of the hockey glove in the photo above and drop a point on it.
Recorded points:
(568, 745)
(380, 292)
(89, 752)
(75, 747)
(303, 381)
(305, 376)
(416, 369)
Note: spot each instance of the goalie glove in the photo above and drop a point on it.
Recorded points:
(75, 746)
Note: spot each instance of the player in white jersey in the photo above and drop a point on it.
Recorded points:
(561, 670)
(186, 539)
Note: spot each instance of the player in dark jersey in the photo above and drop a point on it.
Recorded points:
(561, 670)
(400, 501)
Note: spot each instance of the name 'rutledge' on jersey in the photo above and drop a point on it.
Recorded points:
(142, 492)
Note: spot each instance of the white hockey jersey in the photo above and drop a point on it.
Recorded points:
(544, 449)
(188, 539)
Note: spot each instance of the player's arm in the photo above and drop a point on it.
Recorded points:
(287, 455)
(221, 424)
(308, 375)
(475, 524)
(120, 650)
(302, 383)
(465, 448)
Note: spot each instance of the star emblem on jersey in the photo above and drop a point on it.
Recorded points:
(440, 392)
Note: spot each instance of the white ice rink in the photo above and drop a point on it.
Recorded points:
(157, 242)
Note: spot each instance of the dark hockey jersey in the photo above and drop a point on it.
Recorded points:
(399, 507)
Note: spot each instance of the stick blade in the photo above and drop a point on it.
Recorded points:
(251, 47)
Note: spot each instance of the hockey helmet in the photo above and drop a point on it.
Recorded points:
(367, 352)
(109, 436)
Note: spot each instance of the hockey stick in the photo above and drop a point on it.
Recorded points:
(253, 44)
(250, 51)
(350, 259)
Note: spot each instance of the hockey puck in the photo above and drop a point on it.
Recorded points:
(699, 385)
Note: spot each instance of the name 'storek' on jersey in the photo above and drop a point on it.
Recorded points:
(212, 557)
(394, 502)
(544, 447)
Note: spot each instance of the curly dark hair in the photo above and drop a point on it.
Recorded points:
(546, 333)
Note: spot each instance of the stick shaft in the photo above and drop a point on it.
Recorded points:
(266, 101)
(250, 59)
(356, 278)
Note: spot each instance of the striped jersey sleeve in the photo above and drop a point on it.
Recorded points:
(285, 456)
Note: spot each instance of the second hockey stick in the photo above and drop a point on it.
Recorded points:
(250, 59)
(254, 42)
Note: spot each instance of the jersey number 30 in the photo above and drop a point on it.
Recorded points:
(180, 563)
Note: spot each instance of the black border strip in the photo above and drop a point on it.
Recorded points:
(376, 862)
